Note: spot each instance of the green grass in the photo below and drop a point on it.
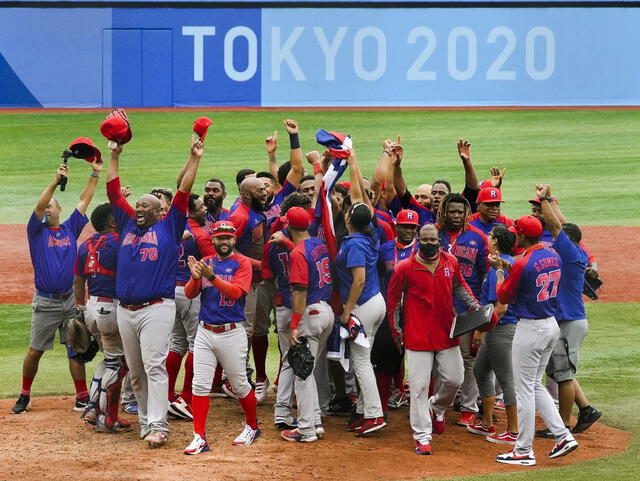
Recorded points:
(589, 156)
(608, 374)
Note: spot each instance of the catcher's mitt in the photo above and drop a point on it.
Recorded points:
(89, 354)
(300, 358)
(78, 334)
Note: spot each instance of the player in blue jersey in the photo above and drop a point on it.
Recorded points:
(214, 194)
(145, 288)
(571, 316)
(95, 272)
(222, 281)
(488, 215)
(52, 246)
(359, 287)
(312, 317)
(532, 290)
(469, 245)
(494, 355)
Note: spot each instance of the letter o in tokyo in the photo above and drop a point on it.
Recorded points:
(358, 53)
(252, 53)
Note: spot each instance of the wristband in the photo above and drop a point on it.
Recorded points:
(317, 168)
(95, 174)
(548, 199)
(294, 141)
(500, 270)
(81, 307)
(296, 317)
(211, 277)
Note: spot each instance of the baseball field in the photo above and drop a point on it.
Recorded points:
(590, 157)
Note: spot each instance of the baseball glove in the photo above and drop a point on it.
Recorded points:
(89, 354)
(78, 334)
(300, 359)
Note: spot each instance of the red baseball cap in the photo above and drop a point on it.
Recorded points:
(201, 125)
(297, 217)
(83, 148)
(484, 184)
(223, 228)
(535, 201)
(407, 216)
(116, 127)
(489, 195)
(528, 226)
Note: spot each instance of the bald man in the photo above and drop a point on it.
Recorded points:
(423, 195)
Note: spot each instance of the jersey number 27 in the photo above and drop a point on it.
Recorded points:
(548, 284)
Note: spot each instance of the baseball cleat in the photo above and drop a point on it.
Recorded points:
(397, 399)
(285, 422)
(247, 436)
(296, 436)
(370, 425)
(466, 418)
(340, 406)
(586, 418)
(81, 404)
(22, 404)
(156, 438)
(180, 409)
(354, 422)
(438, 423)
(544, 433)
(518, 459)
(424, 449)
(564, 446)
(89, 415)
(503, 438)
(481, 429)
(261, 390)
(119, 426)
(197, 446)
(500, 405)
(130, 407)
(319, 430)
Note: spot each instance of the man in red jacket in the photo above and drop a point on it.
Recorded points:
(429, 280)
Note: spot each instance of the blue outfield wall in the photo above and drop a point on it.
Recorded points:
(157, 57)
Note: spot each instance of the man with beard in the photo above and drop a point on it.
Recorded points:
(470, 247)
(488, 215)
(426, 284)
(224, 280)
(214, 195)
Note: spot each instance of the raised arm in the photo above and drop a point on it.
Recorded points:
(399, 183)
(114, 166)
(356, 190)
(271, 145)
(296, 172)
(313, 158)
(380, 172)
(550, 218)
(90, 189)
(470, 177)
(192, 164)
(47, 193)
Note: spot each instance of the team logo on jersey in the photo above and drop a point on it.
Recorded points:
(447, 272)
(228, 269)
(472, 243)
(53, 242)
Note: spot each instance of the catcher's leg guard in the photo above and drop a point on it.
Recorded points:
(115, 371)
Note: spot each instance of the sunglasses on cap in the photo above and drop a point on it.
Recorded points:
(225, 228)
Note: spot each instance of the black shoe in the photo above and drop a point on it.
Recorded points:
(22, 404)
(81, 404)
(545, 433)
(586, 418)
(340, 406)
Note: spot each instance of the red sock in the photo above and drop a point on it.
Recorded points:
(200, 408)
(398, 378)
(81, 388)
(260, 346)
(188, 377)
(26, 385)
(384, 389)
(248, 404)
(174, 360)
(217, 376)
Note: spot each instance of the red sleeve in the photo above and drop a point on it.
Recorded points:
(288, 244)
(116, 198)
(394, 294)
(505, 220)
(592, 258)
(193, 288)
(181, 201)
(242, 276)
(388, 230)
(227, 289)
(239, 218)
(298, 267)
(266, 272)
(203, 239)
(507, 290)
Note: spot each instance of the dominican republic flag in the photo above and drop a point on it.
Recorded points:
(329, 181)
(339, 144)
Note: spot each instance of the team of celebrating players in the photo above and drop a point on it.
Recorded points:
(181, 277)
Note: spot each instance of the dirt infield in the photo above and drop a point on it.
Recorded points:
(50, 441)
(621, 283)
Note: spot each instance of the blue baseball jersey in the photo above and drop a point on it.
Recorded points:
(215, 308)
(358, 250)
(278, 265)
(532, 286)
(471, 249)
(425, 215)
(546, 239)
(97, 261)
(487, 227)
(389, 254)
(250, 230)
(574, 264)
(211, 218)
(272, 211)
(53, 251)
(147, 258)
(490, 296)
(188, 247)
(309, 267)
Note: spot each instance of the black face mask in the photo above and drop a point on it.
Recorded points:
(429, 251)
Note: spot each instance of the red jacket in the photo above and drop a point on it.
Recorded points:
(427, 308)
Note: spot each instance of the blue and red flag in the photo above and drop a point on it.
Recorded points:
(339, 144)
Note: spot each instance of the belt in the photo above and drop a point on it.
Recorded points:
(104, 299)
(219, 328)
(181, 284)
(137, 307)
(49, 295)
